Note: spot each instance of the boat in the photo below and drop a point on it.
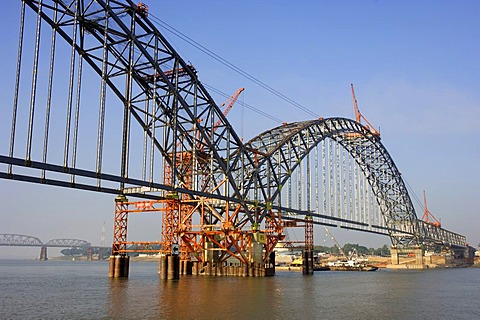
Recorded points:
(320, 267)
(350, 265)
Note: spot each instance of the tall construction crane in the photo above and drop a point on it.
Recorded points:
(359, 116)
(229, 107)
(225, 112)
(428, 217)
(328, 233)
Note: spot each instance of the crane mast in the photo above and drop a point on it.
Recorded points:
(359, 116)
(229, 107)
(428, 217)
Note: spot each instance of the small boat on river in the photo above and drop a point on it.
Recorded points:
(350, 265)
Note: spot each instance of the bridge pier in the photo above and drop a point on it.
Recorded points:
(119, 266)
(169, 267)
(416, 252)
(43, 253)
(100, 253)
(307, 266)
(89, 254)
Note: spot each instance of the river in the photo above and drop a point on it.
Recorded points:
(51, 289)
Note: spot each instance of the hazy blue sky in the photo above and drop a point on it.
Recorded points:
(415, 66)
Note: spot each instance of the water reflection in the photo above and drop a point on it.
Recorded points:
(288, 295)
(196, 296)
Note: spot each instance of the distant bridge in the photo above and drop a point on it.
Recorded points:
(20, 240)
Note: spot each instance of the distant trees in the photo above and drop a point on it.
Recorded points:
(350, 248)
(360, 250)
(74, 252)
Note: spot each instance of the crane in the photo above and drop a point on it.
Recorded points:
(359, 116)
(229, 107)
(225, 112)
(336, 242)
(428, 217)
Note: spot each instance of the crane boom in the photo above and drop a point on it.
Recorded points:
(359, 116)
(232, 99)
(428, 217)
(336, 242)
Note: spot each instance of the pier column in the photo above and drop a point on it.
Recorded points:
(169, 267)
(162, 267)
(307, 267)
(119, 261)
(394, 256)
(43, 253)
(119, 266)
(418, 251)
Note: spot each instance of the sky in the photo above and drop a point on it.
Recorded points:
(414, 65)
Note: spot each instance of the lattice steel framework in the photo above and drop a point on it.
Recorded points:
(62, 243)
(155, 87)
(149, 112)
(19, 240)
(10, 239)
(284, 149)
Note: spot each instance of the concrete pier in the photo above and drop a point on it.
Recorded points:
(43, 253)
(415, 258)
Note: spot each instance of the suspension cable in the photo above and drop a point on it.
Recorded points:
(269, 116)
(230, 65)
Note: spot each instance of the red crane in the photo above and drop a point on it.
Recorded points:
(225, 112)
(229, 107)
(428, 217)
(359, 116)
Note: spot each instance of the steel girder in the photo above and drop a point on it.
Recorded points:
(29, 241)
(19, 240)
(62, 243)
(280, 151)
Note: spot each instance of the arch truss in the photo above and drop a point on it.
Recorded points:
(337, 171)
(148, 128)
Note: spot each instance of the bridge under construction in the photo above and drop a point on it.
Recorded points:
(148, 132)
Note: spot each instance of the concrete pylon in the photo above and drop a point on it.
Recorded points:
(43, 253)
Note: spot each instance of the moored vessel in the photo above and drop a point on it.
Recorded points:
(350, 265)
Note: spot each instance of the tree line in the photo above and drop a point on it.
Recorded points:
(350, 248)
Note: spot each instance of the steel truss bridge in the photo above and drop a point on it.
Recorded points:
(103, 102)
(19, 240)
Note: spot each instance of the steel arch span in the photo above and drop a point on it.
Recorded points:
(159, 94)
(148, 128)
(279, 152)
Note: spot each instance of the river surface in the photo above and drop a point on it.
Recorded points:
(82, 290)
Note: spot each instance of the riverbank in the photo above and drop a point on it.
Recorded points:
(434, 261)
